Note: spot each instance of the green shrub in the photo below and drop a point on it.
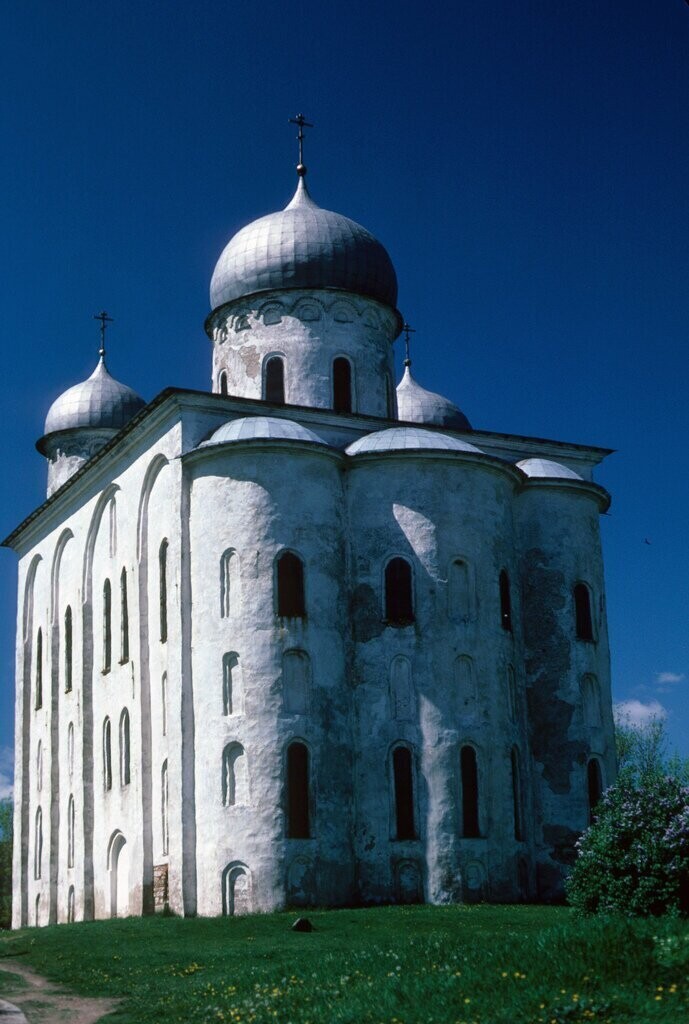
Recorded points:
(634, 858)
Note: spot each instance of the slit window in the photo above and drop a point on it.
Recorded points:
(275, 381)
(124, 618)
(70, 832)
(469, 772)
(162, 579)
(342, 385)
(107, 755)
(68, 649)
(38, 847)
(298, 817)
(125, 752)
(223, 383)
(582, 612)
(403, 782)
(107, 626)
(505, 602)
(516, 796)
(399, 608)
(164, 812)
(595, 786)
(39, 669)
(290, 586)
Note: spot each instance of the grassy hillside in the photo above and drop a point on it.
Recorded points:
(398, 965)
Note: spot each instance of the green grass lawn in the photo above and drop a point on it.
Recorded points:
(487, 964)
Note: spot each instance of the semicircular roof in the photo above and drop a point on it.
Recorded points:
(417, 405)
(547, 469)
(303, 246)
(99, 402)
(396, 439)
(249, 428)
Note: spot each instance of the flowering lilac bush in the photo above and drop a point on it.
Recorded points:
(634, 858)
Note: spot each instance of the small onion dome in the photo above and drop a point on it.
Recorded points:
(417, 405)
(303, 246)
(262, 428)
(100, 402)
(397, 439)
(545, 468)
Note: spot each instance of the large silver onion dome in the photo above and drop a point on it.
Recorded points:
(100, 402)
(303, 246)
(417, 405)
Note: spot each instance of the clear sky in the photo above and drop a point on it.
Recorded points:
(525, 165)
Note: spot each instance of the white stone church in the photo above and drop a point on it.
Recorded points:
(305, 638)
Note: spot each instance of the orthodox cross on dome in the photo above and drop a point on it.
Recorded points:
(104, 321)
(303, 123)
(408, 329)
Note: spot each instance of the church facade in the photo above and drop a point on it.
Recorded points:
(306, 638)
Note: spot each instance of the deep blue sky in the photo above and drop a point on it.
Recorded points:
(525, 165)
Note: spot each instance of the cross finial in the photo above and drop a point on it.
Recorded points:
(104, 321)
(303, 123)
(408, 329)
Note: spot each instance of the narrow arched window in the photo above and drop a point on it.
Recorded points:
(226, 567)
(124, 618)
(107, 755)
(231, 684)
(164, 812)
(399, 606)
(107, 627)
(505, 602)
(298, 817)
(403, 783)
(275, 381)
(595, 785)
(162, 579)
(39, 766)
(235, 780)
(290, 586)
(222, 381)
(516, 795)
(163, 702)
(68, 649)
(70, 905)
(582, 612)
(342, 384)
(39, 669)
(38, 845)
(469, 773)
(70, 832)
(125, 753)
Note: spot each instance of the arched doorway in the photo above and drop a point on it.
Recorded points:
(118, 866)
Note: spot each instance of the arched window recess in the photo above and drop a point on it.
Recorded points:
(582, 612)
(399, 601)
(291, 603)
(342, 385)
(403, 792)
(274, 380)
(298, 811)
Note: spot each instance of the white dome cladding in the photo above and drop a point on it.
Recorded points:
(417, 405)
(303, 246)
(546, 469)
(249, 428)
(99, 402)
(407, 439)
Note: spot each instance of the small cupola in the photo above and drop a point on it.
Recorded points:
(84, 418)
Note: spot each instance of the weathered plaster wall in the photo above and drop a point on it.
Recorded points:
(309, 329)
(559, 541)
